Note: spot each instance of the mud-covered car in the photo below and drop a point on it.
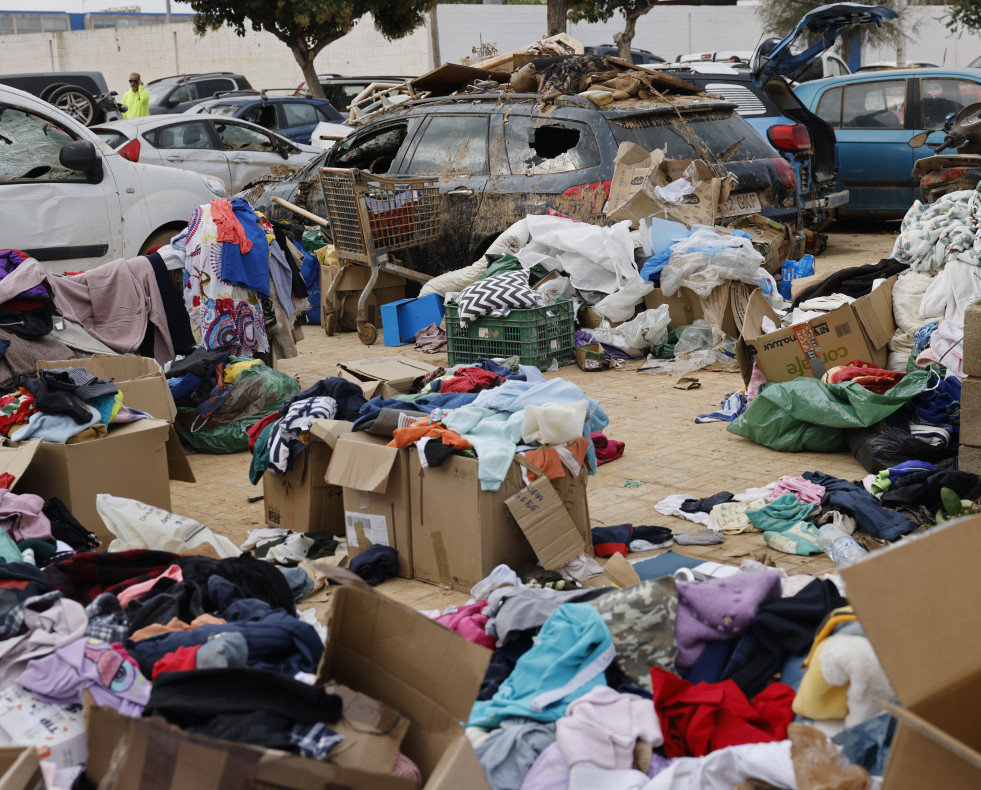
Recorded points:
(501, 156)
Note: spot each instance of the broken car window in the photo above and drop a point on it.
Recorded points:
(241, 138)
(374, 151)
(546, 146)
(29, 148)
(452, 144)
(693, 136)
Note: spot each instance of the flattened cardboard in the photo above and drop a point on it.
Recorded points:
(474, 527)
(550, 530)
(130, 461)
(134, 754)
(20, 769)
(433, 684)
(941, 687)
(375, 482)
(451, 77)
(301, 500)
(391, 375)
(140, 379)
(859, 331)
(620, 572)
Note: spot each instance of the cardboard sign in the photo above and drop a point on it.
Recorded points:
(547, 524)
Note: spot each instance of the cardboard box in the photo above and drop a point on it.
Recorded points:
(136, 460)
(416, 666)
(141, 380)
(19, 769)
(373, 732)
(135, 754)
(770, 238)
(385, 376)
(389, 288)
(589, 319)
(54, 732)
(592, 357)
(859, 331)
(928, 645)
(725, 306)
(460, 533)
(375, 482)
(301, 500)
(638, 171)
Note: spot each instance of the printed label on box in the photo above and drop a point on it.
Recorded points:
(374, 527)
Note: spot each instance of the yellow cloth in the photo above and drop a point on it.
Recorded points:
(137, 102)
(232, 372)
(730, 517)
(816, 698)
(845, 614)
(117, 404)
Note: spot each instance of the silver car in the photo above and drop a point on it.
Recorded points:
(236, 152)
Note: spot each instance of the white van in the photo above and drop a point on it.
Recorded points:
(69, 200)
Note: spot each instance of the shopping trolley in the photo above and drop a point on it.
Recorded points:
(370, 216)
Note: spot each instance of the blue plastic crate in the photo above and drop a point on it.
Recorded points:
(401, 320)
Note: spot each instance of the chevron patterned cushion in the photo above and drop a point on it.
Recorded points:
(497, 296)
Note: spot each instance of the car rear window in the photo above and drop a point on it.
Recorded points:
(113, 138)
(221, 109)
(713, 136)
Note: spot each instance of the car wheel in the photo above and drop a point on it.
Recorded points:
(824, 224)
(46, 93)
(158, 238)
(76, 102)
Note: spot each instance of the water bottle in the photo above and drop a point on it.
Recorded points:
(839, 545)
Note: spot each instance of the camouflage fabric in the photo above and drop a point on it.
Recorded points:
(641, 621)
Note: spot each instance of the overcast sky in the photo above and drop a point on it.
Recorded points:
(86, 6)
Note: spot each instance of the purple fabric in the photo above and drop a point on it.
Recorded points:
(719, 609)
(10, 260)
(584, 337)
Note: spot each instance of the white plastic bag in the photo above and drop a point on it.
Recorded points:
(638, 335)
(706, 259)
(137, 525)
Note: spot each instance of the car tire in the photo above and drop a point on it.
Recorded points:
(824, 224)
(46, 93)
(78, 103)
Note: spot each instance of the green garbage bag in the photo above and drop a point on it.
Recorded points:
(312, 240)
(807, 414)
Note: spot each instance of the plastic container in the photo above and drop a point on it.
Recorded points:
(535, 336)
(839, 545)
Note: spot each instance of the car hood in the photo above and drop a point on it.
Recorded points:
(826, 22)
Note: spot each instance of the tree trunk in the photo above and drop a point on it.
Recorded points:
(558, 10)
(626, 38)
(304, 59)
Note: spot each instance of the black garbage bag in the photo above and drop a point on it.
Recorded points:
(884, 446)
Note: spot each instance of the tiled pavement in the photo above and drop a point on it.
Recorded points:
(666, 451)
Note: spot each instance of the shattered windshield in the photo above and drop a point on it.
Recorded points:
(29, 148)
(717, 136)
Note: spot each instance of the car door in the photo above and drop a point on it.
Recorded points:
(298, 119)
(939, 97)
(873, 128)
(453, 150)
(251, 152)
(52, 213)
(191, 145)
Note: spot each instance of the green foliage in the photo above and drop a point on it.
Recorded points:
(963, 15)
(604, 10)
(954, 506)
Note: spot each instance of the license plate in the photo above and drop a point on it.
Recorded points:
(740, 204)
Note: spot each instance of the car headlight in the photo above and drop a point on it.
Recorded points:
(215, 185)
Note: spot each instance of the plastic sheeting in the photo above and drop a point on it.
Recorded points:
(807, 414)
(637, 336)
(706, 259)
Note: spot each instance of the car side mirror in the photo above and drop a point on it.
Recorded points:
(918, 140)
(81, 155)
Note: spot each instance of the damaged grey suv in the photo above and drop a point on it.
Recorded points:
(501, 156)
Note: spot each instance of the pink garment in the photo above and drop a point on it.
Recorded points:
(469, 622)
(135, 591)
(113, 302)
(804, 490)
(229, 228)
(21, 516)
(756, 380)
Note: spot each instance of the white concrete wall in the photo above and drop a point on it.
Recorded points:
(667, 31)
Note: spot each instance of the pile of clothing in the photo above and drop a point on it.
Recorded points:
(62, 405)
(682, 681)
(457, 412)
(278, 438)
(242, 288)
(220, 397)
(120, 307)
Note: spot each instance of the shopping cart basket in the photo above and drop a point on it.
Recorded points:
(369, 217)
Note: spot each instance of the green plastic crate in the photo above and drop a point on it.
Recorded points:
(535, 336)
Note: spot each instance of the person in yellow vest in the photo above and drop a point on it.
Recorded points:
(136, 99)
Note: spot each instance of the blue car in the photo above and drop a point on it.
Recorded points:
(294, 117)
(874, 115)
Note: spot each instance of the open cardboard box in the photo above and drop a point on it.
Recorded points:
(858, 331)
(385, 376)
(375, 482)
(19, 769)
(725, 306)
(302, 500)
(918, 603)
